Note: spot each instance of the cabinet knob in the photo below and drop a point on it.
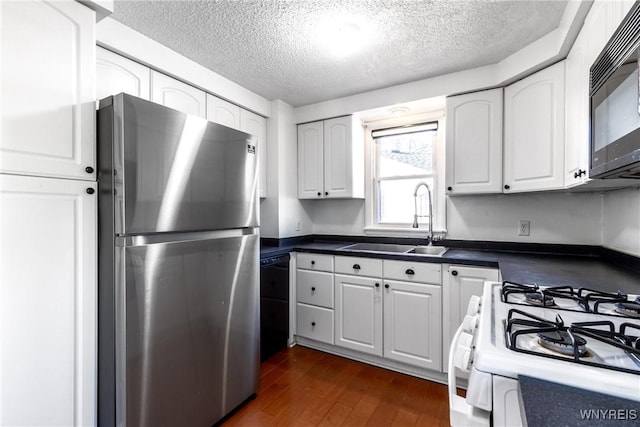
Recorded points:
(506, 187)
(326, 193)
(579, 173)
(88, 169)
(454, 273)
(386, 286)
(313, 323)
(377, 285)
(450, 188)
(90, 190)
(410, 272)
(313, 289)
(319, 194)
(356, 266)
(313, 263)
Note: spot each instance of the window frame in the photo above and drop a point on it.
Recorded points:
(372, 226)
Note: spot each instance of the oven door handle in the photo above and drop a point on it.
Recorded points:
(461, 414)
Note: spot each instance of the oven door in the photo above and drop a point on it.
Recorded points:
(615, 124)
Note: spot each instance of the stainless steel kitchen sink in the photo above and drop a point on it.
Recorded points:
(436, 251)
(378, 247)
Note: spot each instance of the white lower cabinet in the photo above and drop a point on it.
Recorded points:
(381, 311)
(358, 312)
(413, 323)
(459, 284)
(47, 301)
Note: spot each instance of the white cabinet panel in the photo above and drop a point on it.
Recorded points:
(316, 262)
(358, 313)
(257, 125)
(47, 301)
(409, 271)
(459, 283)
(223, 112)
(357, 266)
(47, 89)
(315, 288)
(310, 160)
(315, 323)
(413, 323)
(534, 131)
(116, 74)
(175, 94)
(474, 143)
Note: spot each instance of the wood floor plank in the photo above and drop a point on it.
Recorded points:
(304, 387)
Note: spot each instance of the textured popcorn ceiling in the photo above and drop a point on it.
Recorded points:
(277, 48)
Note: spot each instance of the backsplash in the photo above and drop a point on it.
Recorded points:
(621, 219)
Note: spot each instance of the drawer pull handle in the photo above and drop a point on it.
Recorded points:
(454, 273)
(386, 286)
(410, 272)
(377, 285)
(313, 263)
(313, 289)
(313, 323)
(356, 266)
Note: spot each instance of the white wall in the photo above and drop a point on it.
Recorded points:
(281, 211)
(621, 217)
(573, 218)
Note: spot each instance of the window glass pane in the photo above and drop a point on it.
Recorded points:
(396, 203)
(406, 154)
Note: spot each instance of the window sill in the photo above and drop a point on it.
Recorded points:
(400, 231)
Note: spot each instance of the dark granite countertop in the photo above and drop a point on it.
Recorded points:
(546, 403)
(586, 268)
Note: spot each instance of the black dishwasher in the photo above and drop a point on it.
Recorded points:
(274, 305)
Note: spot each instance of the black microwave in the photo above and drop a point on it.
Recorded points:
(615, 103)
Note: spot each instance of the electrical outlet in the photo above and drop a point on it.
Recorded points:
(298, 225)
(524, 227)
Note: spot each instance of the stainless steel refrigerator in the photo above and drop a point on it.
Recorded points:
(178, 338)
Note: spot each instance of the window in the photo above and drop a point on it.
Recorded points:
(403, 157)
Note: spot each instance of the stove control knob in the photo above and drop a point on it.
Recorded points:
(474, 305)
(469, 323)
(462, 358)
(465, 340)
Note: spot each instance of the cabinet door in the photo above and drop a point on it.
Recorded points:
(47, 89)
(413, 323)
(223, 112)
(116, 74)
(459, 283)
(358, 313)
(175, 94)
(338, 162)
(257, 125)
(310, 160)
(47, 301)
(474, 143)
(534, 131)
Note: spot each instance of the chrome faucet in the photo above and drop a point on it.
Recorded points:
(415, 210)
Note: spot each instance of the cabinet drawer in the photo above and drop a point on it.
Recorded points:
(315, 262)
(409, 271)
(315, 287)
(315, 323)
(359, 266)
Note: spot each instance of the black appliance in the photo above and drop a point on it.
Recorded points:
(274, 305)
(615, 103)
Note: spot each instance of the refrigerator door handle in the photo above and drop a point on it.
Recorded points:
(150, 239)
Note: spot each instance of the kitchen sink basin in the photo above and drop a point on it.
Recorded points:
(429, 250)
(378, 247)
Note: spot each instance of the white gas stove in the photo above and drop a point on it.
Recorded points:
(581, 338)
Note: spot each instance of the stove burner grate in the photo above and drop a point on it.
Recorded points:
(539, 299)
(628, 308)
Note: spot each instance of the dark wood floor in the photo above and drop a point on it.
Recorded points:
(304, 387)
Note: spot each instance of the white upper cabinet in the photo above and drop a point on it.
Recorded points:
(175, 94)
(254, 124)
(47, 301)
(116, 74)
(331, 159)
(474, 143)
(47, 89)
(223, 112)
(534, 131)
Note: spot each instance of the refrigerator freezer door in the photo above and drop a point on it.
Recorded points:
(190, 353)
(177, 172)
